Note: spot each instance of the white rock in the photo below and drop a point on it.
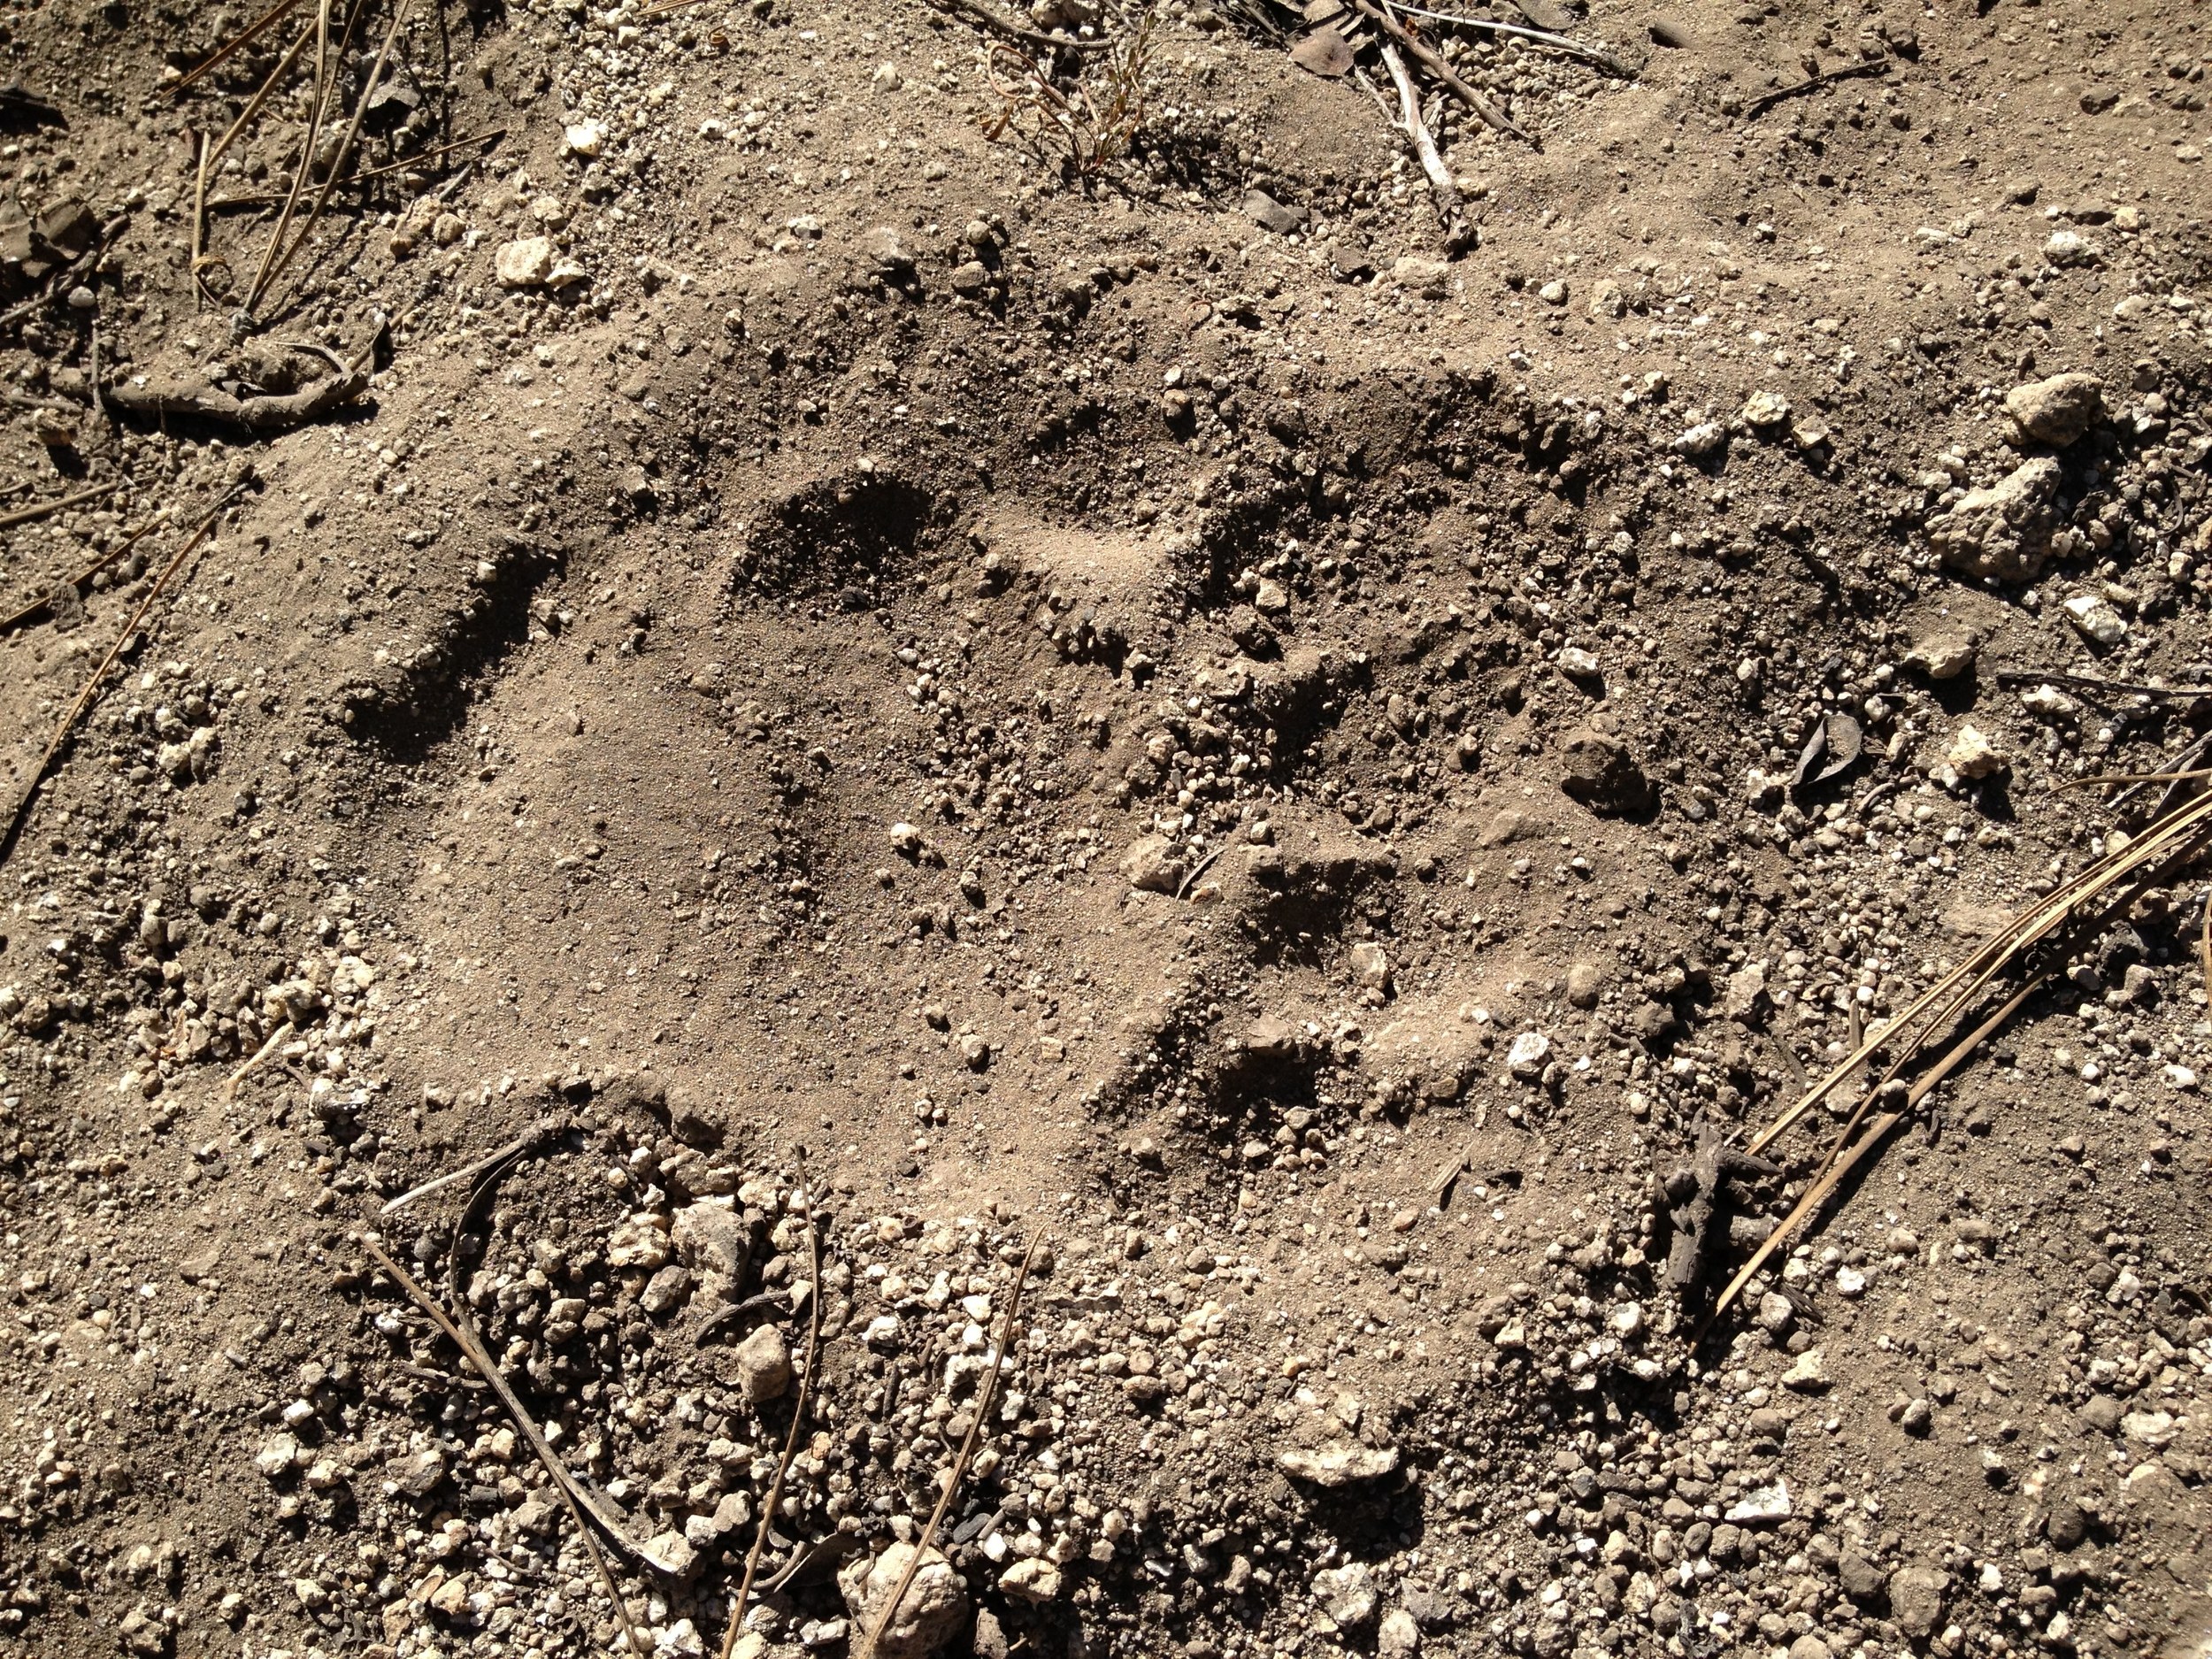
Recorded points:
(1766, 411)
(1702, 440)
(1761, 1504)
(1972, 754)
(763, 1365)
(934, 1606)
(639, 1241)
(280, 1454)
(1371, 964)
(2095, 620)
(586, 139)
(1529, 1054)
(1578, 664)
(525, 263)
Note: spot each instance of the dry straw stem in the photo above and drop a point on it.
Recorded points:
(277, 1039)
(474, 1352)
(30, 515)
(2115, 880)
(790, 1440)
(416, 160)
(318, 98)
(1416, 132)
(91, 686)
(345, 149)
(222, 54)
(960, 1464)
(1431, 59)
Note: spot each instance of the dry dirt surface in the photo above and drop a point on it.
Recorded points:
(865, 674)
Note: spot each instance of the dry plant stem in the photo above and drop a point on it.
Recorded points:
(199, 223)
(1606, 60)
(276, 1041)
(318, 98)
(482, 1361)
(2026, 929)
(261, 94)
(400, 165)
(223, 54)
(2151, 858)
(345, 149)
(30, 515)
(790, 1442)
(967, 1455)
(91, 686)
(1766, 101)
(1006, 29)
(1843, 1161)
(82, 576)
(1416, 132)
(1429, 59)
(454, 1177)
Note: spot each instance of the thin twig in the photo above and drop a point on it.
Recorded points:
(404, 163)
(40, 509)
(2011, 681)
(885, 1619)
(199, 222)
(1007, 29)
(1608, 61)
(1199, 869)
(261, 93)
(318, 98)
(222, 54)
(1431, 59)
(276, 1041)
(454, 1177)
(345, 149)
(22, 806)
(791, 1439)
(1456, 233)
(86, 573)
(1766, 101)
(476, 1354)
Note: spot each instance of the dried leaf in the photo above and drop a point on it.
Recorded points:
(1325, 52)
(1547, 14)
(1838, 741)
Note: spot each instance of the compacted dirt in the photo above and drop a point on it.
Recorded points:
(874, 697)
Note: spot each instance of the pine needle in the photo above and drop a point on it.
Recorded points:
(791, 1441)
(885, 1619)
(222, 54)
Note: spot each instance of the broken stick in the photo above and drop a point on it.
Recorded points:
(1458, 235)
(1431, 60)
(265, 416)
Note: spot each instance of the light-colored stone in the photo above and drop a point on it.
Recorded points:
(1973, 755)
(525, 263)
(1370, 964)
(2003, 531)
(1153, 865)
(640, 1241)
(2096, 620)
(672, 1554)
(2056, 410)
(1915, 1600)
(1343, 1464)
(1943, 653)
(1347, 1594)
(1766, 411)
(1808, 1373)
(1032, 1580)
(934, 1607)
(1583, 979)
(1528, 1056)
(763, 1365)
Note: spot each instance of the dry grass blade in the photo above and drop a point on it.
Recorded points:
(474, 1352)
(790, 1442)
(318, 98)
(277, 1039)
(30, 515)
(223, 54)
(22, 807)
(2204, 947)
(960, 1464)
(2162, 848)
(416, 160)
(269, 84)
(10, 624)
(2029, 928)
(199, 225)
(1843, 1161)
(453, 1177)
(345, 149)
